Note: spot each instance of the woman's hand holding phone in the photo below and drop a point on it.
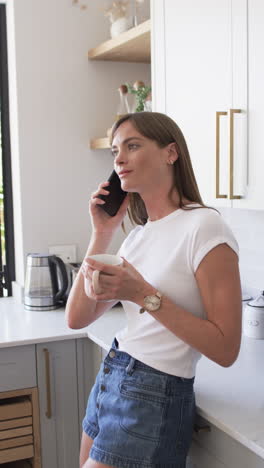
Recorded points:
(101, 221)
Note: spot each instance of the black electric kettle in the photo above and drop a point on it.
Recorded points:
(46, 282)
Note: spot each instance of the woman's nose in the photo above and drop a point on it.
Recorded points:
(120, 158)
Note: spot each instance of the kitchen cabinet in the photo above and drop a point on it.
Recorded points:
(214, 448)
(130, 46)
(58, 401)
(66, 373)
(205, 57)
(255, 189)
(89, 358)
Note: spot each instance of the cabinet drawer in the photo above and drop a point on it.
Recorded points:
(225, 449)
(17, 368)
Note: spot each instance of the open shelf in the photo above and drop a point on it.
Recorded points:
(100, 143)
(130, 46)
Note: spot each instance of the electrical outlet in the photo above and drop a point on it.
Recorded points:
(66, 252)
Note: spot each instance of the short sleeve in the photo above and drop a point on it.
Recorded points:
(211, 231)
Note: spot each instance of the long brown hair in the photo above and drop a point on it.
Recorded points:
(163, 130)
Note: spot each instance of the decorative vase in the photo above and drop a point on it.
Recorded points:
(123, 107)
(118, 26)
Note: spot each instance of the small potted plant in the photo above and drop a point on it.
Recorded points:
(141, 93)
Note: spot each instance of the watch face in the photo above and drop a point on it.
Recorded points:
(152, 303)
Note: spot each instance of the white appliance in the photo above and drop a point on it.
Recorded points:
(253, 318)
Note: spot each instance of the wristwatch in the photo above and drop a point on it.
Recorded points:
(151, 303)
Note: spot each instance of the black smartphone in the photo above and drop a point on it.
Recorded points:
(116, 196)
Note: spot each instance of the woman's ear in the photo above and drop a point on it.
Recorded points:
(172, 153)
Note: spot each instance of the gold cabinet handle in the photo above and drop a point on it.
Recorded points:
(231, 153)
(48, 391)
(198, 429)
(217, 156)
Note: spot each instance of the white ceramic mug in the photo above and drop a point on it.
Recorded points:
(107, 259)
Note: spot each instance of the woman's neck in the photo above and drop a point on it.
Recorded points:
(159, 205)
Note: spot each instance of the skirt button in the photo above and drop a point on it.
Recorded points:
(103, 388)
(112, 353)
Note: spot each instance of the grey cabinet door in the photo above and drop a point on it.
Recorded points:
(58, 399)
(89, 358)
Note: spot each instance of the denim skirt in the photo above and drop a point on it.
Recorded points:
(137, 416)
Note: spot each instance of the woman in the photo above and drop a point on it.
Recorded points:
(181, 269)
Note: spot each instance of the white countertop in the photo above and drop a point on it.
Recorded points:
(19, 326)
(230, 398)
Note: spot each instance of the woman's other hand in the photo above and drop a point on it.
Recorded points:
(121, 282)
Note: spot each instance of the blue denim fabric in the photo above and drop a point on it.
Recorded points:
(139, 417)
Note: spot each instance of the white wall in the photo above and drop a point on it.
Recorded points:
(248, 227)
(59, 100)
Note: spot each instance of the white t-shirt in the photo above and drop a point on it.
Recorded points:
(167, 252)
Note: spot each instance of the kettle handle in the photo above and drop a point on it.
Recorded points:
(64, 277)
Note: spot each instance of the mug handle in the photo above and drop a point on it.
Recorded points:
(95, 282)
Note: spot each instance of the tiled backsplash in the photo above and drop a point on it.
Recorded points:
(248, 228)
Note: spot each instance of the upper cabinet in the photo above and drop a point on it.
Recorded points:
(255, 187)
(130, 46)
(206, 55)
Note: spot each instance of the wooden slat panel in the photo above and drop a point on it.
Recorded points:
(14, 410)
(17, 453)
(20, 422)
(17, 442)
(17, 432)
